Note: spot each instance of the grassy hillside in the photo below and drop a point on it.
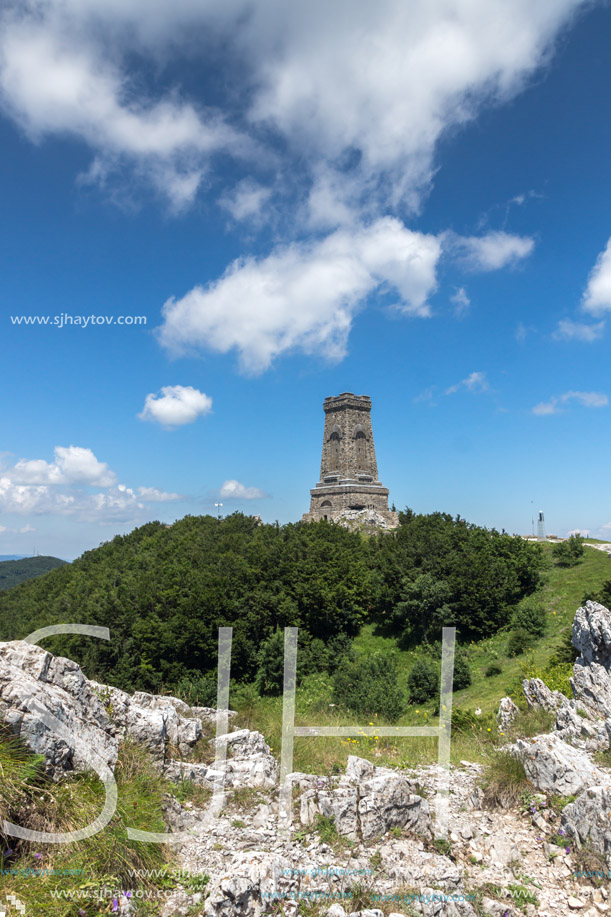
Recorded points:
(14, 572)
(473, 737)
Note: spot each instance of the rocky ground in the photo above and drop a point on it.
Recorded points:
(369, 833)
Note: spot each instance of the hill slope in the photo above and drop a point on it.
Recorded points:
(14, 572)
(164, 592)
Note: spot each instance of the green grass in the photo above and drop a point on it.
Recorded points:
(108, 858)
(561, 592)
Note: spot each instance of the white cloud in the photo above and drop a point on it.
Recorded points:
(461, 302)
(26, 529)
(475, 382)
(303, 296)
(569, 330)
(3, 529)
(246, 200)
(73, 464)
(585, 533)
(177, 405)
(490, 252)
(233, 490)
(351, 87)
(597, 296)
(53, 82)
(586, 399)
(521, 332)
(153, 495)
(67, 487)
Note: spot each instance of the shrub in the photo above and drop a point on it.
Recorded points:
(530, 615)
(568, 553)
(493, 669)
(462, 672)
(368, 685)
(423, 681)
(519, 640)
(566, 652)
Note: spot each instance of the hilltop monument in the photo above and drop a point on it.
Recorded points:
(349, 489)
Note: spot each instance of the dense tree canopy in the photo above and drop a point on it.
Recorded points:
(165, 590)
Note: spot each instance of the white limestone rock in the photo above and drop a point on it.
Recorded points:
(587, 820)
(554, 766)
(506, 713)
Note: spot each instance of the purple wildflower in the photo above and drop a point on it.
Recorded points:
(568, 850)
(115, 905)
(561, 832)
(38, 856)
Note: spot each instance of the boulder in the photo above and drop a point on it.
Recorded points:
(249, 763)
(366, 802)
(580, 730)
(554, 766)
(539, 695)
(591, 682)
(506, 713)
(587, 820)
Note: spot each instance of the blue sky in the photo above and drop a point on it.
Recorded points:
(410, 201)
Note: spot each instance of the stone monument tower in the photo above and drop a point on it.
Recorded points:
(349, 482)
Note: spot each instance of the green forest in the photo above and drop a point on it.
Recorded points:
(13, 572)
(165, 590)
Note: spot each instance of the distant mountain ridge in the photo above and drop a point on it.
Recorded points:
(13, 572)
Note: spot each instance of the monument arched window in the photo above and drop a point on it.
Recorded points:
(334, 451)
(361, 450)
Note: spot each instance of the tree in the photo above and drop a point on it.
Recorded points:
(423, 681)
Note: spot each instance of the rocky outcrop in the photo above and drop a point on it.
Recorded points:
(249, 763)
(591, 682)
(537, 694)
(553, 766)
(586, 820)
(90, 719)
(507, 713)
(32, 683)
(365, 803)
(160, 724)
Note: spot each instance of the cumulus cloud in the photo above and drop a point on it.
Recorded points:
(475, 382)
(294, 80)
(490, 252)
(233, 490)
(597, 296)
(246, 200)
(303, 296)
(556, 405)
(72, 464)
(176, 406)
(569, 330)
(76, 484)
(153, 495)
